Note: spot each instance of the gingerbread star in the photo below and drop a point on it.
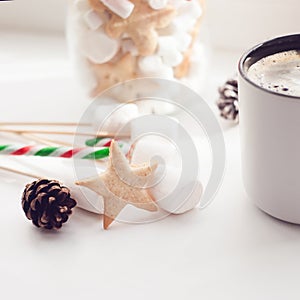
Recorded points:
(140, 26)
(111, 73)
(121, 184)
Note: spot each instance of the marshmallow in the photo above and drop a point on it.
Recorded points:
(168, 51)
(149, 64)
(162, 125)
(92, 19)
(152, 66)
(122, 8)
(192, 9)
(171, 192)
(164, 72)
(188, 14)
(187, 196)
(183, 40)
(98, 47)
(176, 3)
(157, 4)
(114, 116)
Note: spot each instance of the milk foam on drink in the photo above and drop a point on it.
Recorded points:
(279, 73)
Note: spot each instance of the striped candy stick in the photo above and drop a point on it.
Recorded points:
(105, 142)
(101, 142)
(64, 152)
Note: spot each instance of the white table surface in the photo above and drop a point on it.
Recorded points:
(230, 250)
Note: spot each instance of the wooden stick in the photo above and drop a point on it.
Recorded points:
(48, 142)
(20, 172)
(44, 124)
(102, 134)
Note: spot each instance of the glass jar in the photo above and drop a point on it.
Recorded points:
(112, 41)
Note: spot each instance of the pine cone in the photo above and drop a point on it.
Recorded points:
(47, 203)
(228, 101)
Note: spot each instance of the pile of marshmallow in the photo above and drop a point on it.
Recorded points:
(118, 40)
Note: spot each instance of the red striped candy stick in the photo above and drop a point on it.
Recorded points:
(94, 153)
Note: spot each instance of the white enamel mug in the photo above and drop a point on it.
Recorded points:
(270, 138)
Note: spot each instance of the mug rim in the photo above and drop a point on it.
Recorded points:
(267, 48)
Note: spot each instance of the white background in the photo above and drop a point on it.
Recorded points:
(38, 15)
(231, 250)
(234, 24)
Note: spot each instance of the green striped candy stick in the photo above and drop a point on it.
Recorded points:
(94, 153)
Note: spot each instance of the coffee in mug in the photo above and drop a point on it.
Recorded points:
(279, 72)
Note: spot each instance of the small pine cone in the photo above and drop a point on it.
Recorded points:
(228, 101)
(47, 203)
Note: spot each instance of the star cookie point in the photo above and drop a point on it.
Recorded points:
(122, 184)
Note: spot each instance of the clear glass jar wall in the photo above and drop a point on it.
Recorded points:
(112, 41)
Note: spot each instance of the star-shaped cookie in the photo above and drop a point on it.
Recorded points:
(140, 26)
(111, 73)
(121, 184)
